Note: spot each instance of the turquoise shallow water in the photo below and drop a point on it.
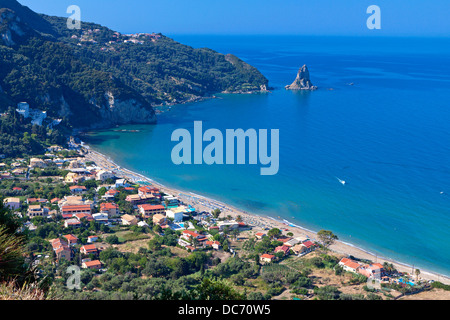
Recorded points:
(388, 136)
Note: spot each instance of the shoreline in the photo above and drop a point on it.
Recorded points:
(257, 222)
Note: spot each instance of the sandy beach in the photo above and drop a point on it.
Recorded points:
(257, 222)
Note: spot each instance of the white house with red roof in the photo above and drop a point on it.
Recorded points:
(266, 258)
(94, 264)
(350, 265)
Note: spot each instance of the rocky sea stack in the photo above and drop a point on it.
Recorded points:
(302, 81)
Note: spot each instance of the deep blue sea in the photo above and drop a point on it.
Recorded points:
(387, 136)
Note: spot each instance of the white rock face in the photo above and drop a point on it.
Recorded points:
(125, 111)
(302, 81)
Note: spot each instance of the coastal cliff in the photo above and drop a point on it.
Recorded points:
(96, 77)
(302, 81)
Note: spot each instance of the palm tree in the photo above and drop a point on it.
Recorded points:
(417, 272)
(235, 233)
(239, 218)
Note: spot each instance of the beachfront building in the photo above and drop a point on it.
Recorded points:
(171, 200)
(148, 210)
(299, 249)
(12, 203)
(145, 190)
(310, 246)
(375, 271)
(103, 175)
(177, 216)
(292, 242)
(230, 224)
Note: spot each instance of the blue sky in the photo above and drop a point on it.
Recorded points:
(305, 17)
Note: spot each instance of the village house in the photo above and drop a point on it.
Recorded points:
(310, 246)
(71, 239)
(88, 249)
(159, 219)
(299, 249)
(73, 177)
(18, 171)
(36, 211)
(75, 209)
(147, 210)
(110, 194)
(260, 235)
(86, 216)
(94, 264)
(349, 265)
(101, 217)
(214, 244)
(129, 220)
(266, 258)
(36, 200)
(188, 235)
(77, 189)
(62, 249)
(72, 223)
(71, 201)
(37, 163)
(110, 208)
(12, 203)
(92, 239)
(285, 249)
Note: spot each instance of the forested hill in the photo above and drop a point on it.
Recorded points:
(96, 77)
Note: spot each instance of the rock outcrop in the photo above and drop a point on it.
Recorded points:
(302, 81)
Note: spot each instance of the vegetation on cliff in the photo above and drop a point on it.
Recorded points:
(82, 74)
